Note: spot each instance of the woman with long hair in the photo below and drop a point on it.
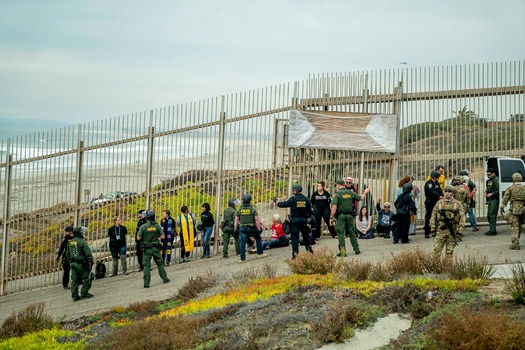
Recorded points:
(363, 224)
(321, 200)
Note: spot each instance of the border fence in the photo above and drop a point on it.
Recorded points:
(215, 149)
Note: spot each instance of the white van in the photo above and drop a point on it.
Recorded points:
(504, 168)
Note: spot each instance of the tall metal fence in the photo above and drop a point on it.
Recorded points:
(215, 149)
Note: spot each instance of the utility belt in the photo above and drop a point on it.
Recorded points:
(151, 245)
(78, 261)
(345, 211)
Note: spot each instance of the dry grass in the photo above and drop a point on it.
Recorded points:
(29, 320)
(471, 266)
(322, 262)
(195, 286)
(467, 328)
(158, 334)
(338, 324)
(246, 275)
(516, 285)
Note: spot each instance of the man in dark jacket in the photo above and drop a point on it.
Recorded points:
(433, 193)
(228, 218)
(117, 245)
(61, 254)
(300, 215)
(138, 250)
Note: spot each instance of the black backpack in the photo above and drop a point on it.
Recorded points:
(100, 270)
(286, 227)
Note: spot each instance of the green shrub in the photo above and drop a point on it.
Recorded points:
(516, 285)
(471, 267)
(29, 320)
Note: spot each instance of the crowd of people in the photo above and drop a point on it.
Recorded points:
(447, 207)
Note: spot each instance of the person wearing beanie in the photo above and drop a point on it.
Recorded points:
(433, 193)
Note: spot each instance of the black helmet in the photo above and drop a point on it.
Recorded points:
(233, 202)
(150, 215)
(297, 188)
(246, 199)
(77, 232)
(407, 188)
(435, 175)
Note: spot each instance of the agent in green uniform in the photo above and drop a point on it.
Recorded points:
(149, 235)
(492, 196)
(342, 211)
(227, 231)
(81, 260)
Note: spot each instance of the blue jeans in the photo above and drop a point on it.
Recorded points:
(273, 243)
(244, 233)
(206, 234)
(472, 218)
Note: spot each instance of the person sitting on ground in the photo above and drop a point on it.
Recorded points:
(363, 224)
(385, 219)
(278, 238)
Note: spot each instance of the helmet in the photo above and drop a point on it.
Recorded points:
(77, 232)
(233, 202)
(150, 215)
(516, 177)
(464, 172)
(448, 188)
(247, 198)
(297, 188)
(435, 175)
(407, 188)
(459, 179)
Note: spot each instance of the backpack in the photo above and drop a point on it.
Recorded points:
(100, 270)
(286, 227)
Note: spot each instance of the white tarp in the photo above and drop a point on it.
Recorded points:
(343, 131)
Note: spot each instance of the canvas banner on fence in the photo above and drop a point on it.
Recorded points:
(344, 131)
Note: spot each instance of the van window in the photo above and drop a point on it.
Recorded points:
(509, 167)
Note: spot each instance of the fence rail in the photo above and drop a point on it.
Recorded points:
(214, 149)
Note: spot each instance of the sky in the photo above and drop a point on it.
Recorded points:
(81, 61)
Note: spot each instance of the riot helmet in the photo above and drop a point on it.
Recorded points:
(233, 202)
(435, 175)
(297, 188)
(407, 188)
(150, 215)
(246, 199)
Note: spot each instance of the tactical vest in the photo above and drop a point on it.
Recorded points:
(246, 215)
(345, 201)
(302, 207)
(518, 192)
(451, 210)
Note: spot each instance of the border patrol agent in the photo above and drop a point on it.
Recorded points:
(227, 231)
(249, 225)
(81, 260)
(149, 235)
(300, 216)
(342, 211)
(492, 197)
(516, 214)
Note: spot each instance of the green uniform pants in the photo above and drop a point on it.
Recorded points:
(79, 275)
(155, 254)
(346, 223)
(492, 214)
(227, 233)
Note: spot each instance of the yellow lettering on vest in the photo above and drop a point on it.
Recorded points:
(346, 196)
(301, 204)
(245, 211)
(151, 229)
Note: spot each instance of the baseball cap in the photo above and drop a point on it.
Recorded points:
(491, 170)
(340, 182)
(69, 228)
(349, 179)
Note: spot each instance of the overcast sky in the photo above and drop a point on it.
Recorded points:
(78, 61)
